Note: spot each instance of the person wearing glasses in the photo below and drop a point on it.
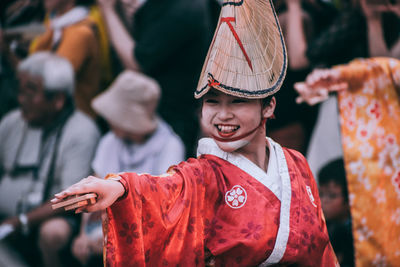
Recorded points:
(45, 145)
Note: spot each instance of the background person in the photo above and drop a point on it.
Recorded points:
(335, 204)
(45, 145)
(139, 141)
(73, 34)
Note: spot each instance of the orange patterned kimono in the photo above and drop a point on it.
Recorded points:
(370, 122)
(227, 206)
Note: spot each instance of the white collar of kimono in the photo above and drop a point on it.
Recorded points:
(270, 178)
(71, 17)
(276, 179)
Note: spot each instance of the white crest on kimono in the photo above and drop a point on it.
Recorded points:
(309, 192)
(236, 197)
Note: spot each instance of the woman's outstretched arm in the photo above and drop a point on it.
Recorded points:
(107, 191)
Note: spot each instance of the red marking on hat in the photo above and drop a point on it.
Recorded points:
(228, 21)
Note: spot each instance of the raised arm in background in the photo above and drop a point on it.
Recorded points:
(296, 35)
(120, 38)
(377, 46)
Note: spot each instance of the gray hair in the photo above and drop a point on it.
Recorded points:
(56, 72)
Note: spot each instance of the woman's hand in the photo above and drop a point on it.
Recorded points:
(108, 191)
(318, 85)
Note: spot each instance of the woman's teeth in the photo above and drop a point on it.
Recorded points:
(227, 128)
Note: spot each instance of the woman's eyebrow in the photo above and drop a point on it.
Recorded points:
(212, 94)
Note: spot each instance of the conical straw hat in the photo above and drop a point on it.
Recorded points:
(247, 57)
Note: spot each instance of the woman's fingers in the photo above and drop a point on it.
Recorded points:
(91, 207)
(319, 83)
(55, 200)
(315, 95)
(84, 186)
(316, 75)
(80, 210)
(323, 77)
(87, 208)
(107, 192)
(299, 100)
(302, 89)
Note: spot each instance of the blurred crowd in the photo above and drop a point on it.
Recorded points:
(95, 87)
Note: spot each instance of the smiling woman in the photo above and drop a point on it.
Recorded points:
(245, 200)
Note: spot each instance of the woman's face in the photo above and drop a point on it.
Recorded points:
(225, 117)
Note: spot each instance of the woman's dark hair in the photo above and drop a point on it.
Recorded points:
(265, 101)
(334, 171)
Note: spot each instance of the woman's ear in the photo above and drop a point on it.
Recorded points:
(268, 110)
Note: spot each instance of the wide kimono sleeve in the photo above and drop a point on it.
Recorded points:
(359, 72)
(369, 118)
(158, 222)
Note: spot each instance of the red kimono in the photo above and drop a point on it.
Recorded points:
(223, 203)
